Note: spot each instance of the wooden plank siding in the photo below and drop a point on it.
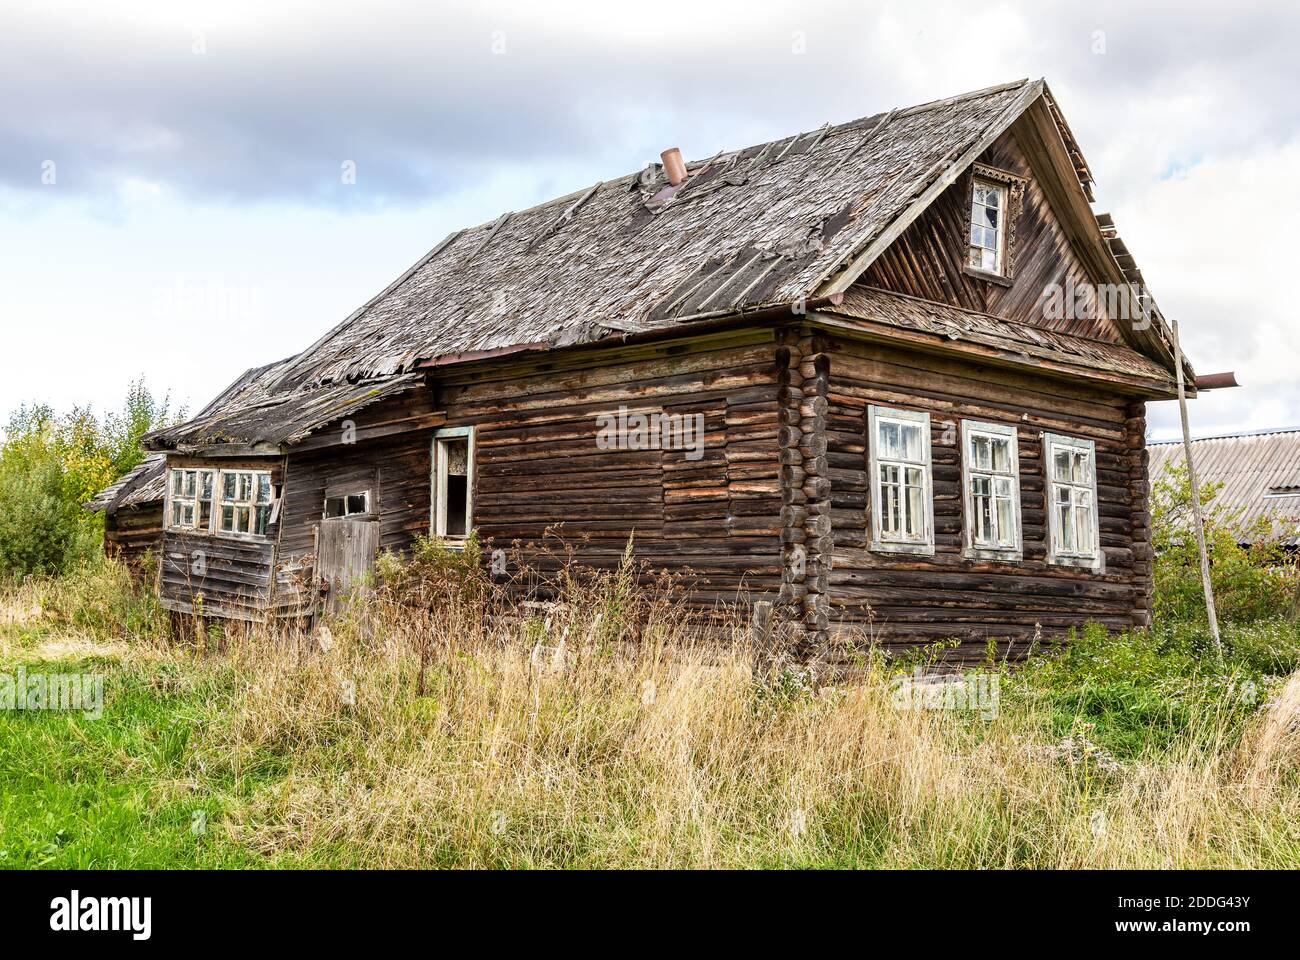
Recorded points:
(909, 599)
(542, 478)
(134, 536)
(929, 259)
(233, 576)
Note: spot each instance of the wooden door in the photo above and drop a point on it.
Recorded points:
(346, 554)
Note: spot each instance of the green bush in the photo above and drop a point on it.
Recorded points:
(51, 465)
(1249, 583)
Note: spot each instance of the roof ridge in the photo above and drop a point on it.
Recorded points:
(1267, 431)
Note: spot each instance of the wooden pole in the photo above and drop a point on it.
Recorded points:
(1196, 498)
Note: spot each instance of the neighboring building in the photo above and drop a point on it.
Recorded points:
(133, 515)
(833, 370)
(1258, 474)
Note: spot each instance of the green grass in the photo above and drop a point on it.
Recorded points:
(255, 745)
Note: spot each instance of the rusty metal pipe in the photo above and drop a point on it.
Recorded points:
(674, 166)
(1216, 381)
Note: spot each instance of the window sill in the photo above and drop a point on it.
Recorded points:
(914, 549)
(991, 277)
(1076, 562)
(1009, 555)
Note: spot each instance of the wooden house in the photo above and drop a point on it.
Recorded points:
(847, 371)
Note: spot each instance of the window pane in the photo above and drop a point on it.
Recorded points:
(262, 521)
(993, 197)
(1002, 486)
(356, 503)
(1001, 455)
(1065, 515)
(979, 486)
(189, 483)
(1006, 524)
(264, 488)
(334, 507)
(206, 488)
(228, 486)
(980, 455)
(178, 477)
(228, 519)
(242, 519)
(915, 521)
(1061, 464)
(988, 261)
(889, 473)
(890, 443)
(245, 487)
(912, 443)
(176, 513)
(1080, 474)
(205, 514)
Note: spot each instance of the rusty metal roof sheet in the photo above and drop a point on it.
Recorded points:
(1259, 473)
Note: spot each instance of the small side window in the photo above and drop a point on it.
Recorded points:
(1071, 485)
(898, 447)
(988, 207)
(347, 505)
(453, 482)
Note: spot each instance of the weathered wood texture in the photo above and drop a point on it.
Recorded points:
(394, 464)
(542, 477)
(346, 551)
(232, 576)
(904, 599)
(133, 535)
(929, 259)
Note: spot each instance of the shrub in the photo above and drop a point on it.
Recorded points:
(1249, 583)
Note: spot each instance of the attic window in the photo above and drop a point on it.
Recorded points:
(988, 206)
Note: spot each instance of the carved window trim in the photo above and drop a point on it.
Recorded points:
(1015, 188)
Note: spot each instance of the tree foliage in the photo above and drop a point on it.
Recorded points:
(52, 464)
(1250, 582)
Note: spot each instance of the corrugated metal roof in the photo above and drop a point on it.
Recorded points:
(1248, 466)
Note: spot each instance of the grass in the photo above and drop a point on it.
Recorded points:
(439, 733)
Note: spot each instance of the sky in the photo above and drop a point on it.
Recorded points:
(189, 189)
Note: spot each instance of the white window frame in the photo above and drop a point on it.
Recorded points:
(346, 514)
(875, 416)
(1000, 251)
(252, 505)
(438, 484)
(196, 500)
(1088, 560)
(970, 430)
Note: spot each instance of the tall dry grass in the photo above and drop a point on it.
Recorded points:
(440, 736)
(438, 724)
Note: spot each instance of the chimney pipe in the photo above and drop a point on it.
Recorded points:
(674, 166)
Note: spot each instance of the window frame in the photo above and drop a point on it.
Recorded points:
(877, 414)
(1094, 560)
(196, 500)
(438, 484)
(970, 429)
(346, 494)
(999, 268)
(219, 502)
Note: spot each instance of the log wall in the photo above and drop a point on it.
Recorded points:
(907, 599)
(542, 478)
